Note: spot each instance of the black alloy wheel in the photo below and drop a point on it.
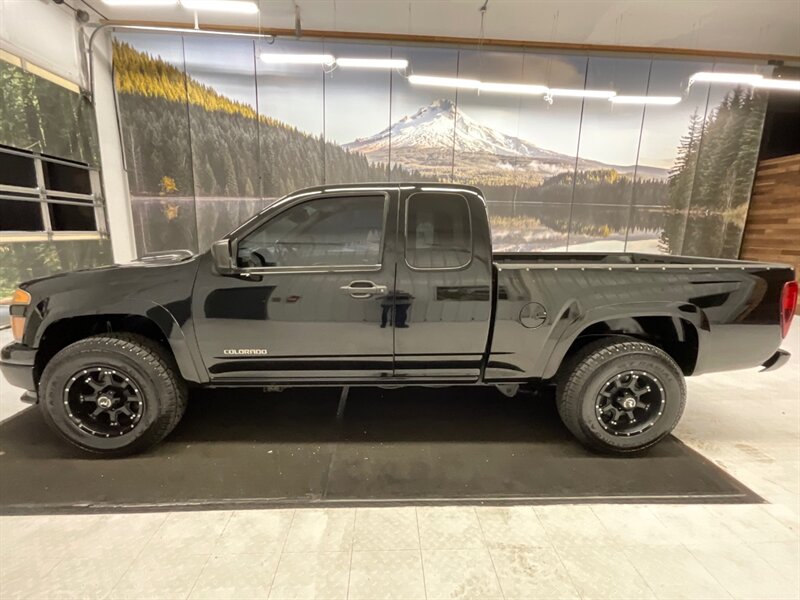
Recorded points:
(103, 402)
(630, 403)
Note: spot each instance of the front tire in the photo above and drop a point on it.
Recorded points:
(621, 395)
(113, 394)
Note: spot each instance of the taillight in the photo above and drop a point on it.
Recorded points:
(788, 305)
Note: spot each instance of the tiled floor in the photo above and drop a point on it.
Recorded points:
(749, 423)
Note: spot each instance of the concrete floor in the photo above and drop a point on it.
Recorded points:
(748, 423)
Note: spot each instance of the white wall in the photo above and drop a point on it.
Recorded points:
(115, 179)
(47, 35)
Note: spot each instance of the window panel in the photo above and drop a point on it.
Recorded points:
(20, 215)
(438, 231)
(66, 178)
(609, 139)
(487, 147)
(356, 109)
(596, 228)
(725, 166)
(17, 170)
(67, 217)
(553, 128)
(156, 138)
(529, 227)
(290, 96)
(421, 137)
(324, 232)
(670, 136)
(225, 159)
(656, 230)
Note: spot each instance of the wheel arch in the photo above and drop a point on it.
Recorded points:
(157, 324)
(676, 330)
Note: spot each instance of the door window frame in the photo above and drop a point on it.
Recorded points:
(249, 228)
(405, 232)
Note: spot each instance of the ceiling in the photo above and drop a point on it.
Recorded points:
(747, 26)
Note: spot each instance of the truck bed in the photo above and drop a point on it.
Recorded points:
(728, 309)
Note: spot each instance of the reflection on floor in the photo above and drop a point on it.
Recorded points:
(746, 422)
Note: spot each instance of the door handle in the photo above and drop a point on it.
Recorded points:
(364, 289)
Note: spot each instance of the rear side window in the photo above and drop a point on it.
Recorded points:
(438, 231)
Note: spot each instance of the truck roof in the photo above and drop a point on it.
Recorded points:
(380, 186)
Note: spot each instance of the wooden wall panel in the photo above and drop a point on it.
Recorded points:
(772, 230)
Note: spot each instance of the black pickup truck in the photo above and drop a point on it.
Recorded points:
(387, 285)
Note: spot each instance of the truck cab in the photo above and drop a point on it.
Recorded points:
(363, 284)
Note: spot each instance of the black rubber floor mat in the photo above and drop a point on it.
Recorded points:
(243, 449)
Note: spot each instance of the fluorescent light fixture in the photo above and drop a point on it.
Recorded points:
(663, 100)
(570, 93)
(474, 84)
(705, 76)
(140, 2)
(512, 88)
(230, 6)
(297, 59)
(373, 63)
(452, 82)
(789, 85)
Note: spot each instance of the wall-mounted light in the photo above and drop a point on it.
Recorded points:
(746, 78)
(373, 63)
(451, 82)
(663, 100)
(298, 59)
(140, 2)
(512, 88)
(576, 93)
(229, 6)
(789, 85)
(475, 84)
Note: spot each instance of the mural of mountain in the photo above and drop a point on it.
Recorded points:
(199, 162)
(425, 140)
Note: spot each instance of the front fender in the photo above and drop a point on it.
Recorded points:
(161, 316)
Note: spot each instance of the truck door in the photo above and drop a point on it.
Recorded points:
(310, 298)
(443, 293)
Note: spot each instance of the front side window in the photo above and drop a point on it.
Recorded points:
(322, 232)
(438, 231)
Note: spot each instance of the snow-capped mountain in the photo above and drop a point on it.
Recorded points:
(438, 126)
(423, 142)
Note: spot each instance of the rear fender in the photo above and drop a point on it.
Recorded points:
(573, 322)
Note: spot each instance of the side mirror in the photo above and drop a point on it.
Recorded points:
(223, 259)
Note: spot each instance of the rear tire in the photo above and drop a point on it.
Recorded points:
(620, 395)
(113, 394)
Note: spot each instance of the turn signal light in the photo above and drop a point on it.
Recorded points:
(788, 305)
(20, 298)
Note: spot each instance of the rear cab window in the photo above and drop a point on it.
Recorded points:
(438, 231)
